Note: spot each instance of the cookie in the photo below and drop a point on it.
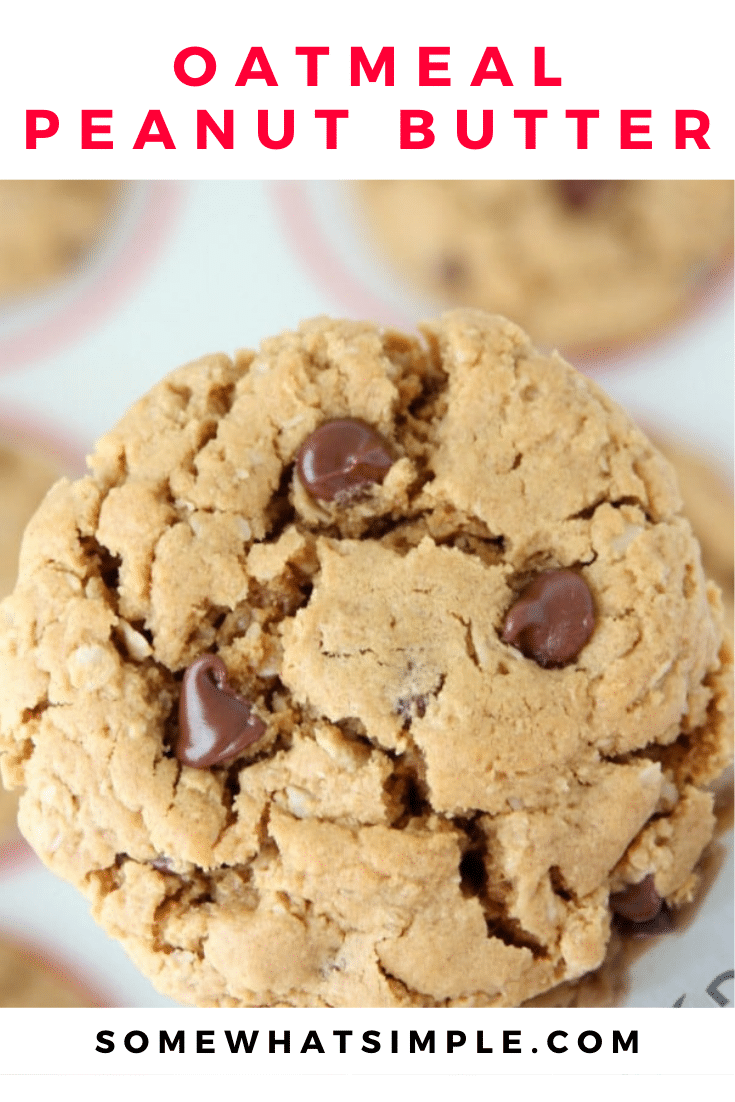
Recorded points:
(8, 813)
(25, 476)
(50, 228)
(578, 263)
(606, 986)
(26, 979)
(708, 503)
(363, 669)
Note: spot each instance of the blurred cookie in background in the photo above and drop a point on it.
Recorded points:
(585, 264)
(708, 503)
(49, 229)
(25, 476)
(27, 979)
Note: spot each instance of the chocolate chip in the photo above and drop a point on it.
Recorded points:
(552, 619)
(341, 457)
(162, 864)
(452, 271)
(639, 911)
(663, 923)
(638, 902)
(215, 723)
(583, 194)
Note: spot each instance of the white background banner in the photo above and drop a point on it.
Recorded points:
(365, 1042)
(295, 90)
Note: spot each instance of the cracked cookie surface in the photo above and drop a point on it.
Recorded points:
(576, 262)
(707, 493)
(430, 817)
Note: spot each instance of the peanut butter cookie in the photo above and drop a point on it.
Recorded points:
(28, 980)
(579, 263)
(368, 670)
(25, 476)
(49, 228)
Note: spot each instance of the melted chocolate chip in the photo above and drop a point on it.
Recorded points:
(663, 923)
(638, 902)
(215, 723)
(341, 457)
(552, 619)
(639, 911)
(583, 194)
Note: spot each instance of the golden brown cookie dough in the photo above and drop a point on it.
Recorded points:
(50, 228)
(429, 817)
(25, 476)
(8, 813)
(574, 270)
(28, 980)
(708, 503)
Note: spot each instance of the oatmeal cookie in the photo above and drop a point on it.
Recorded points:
(26, 979)
(25, 476)
(708, 503)
(368, 670)
(49, 229)
(579, 263)
(8, 813)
